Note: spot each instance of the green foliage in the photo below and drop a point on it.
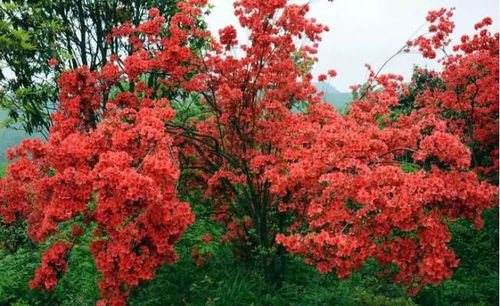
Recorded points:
(3, 168)
(16, 271)
(13, 237)
(420, 82)
(475, 282)
(77, 287)
(228, 281)
(408, 167)
(73, 32)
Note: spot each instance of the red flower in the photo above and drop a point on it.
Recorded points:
(52, 62)
(206, 238)
(76, 230)
(53, 265)
(154, 12)
(228, 36)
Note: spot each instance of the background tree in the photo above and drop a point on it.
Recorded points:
(66, 34)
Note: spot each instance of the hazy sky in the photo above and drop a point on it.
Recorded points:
(370, 31)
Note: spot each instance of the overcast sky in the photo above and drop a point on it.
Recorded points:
(370, 31)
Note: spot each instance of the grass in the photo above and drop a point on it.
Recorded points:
(227, 281)
(3, 168)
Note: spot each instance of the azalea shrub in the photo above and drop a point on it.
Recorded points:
(239, 128)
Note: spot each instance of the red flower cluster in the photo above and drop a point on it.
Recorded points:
(53, 265)
(343, 174)
(445, 147)
(228, 37)
(441, 27)
(467, 101)
(52, 62)
(110, 161)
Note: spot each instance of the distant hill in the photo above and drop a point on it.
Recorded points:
(9, 138)
(333, 96)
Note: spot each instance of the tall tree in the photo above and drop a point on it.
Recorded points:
(38, 34)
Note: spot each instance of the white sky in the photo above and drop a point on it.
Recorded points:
(370, 31)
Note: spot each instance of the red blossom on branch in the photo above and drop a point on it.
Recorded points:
(52, 62)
